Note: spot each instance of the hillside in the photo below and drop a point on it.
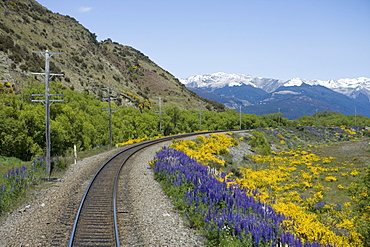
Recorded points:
(88, 65)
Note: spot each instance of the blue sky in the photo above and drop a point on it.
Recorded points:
(282, 39)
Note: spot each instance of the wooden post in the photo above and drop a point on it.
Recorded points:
(75, 153)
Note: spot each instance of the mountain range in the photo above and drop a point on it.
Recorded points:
(293, 98)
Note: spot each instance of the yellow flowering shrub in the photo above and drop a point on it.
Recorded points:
(280, 136)
(132, 141)
(307, 226)
(6, 88)
(205, 148)
(331, 178)
(348, 131)
(341, 186)
(283, 176)
(139, 102)
(354, 173)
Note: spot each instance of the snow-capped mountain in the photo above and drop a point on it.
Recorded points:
(349, 87)
(297, 96)
(220, 80)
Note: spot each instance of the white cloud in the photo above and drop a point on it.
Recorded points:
(84, 9)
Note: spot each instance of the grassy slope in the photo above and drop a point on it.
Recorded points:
(350, 152)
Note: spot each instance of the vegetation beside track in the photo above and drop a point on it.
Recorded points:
(325, 185)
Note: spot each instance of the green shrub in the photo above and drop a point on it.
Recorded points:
(59, 165)
(259, 143)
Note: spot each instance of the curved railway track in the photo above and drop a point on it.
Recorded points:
(96, 220)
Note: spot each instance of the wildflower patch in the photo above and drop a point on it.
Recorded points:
(295, 183)
(228, 214)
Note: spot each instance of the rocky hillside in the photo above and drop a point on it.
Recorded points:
(88, 65)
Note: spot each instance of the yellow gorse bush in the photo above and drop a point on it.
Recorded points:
(145, 138)
(132, 141)
(348, 131)
(308, 226)
(282, 177)
(6, 88)
(204, 148)
(331, 178)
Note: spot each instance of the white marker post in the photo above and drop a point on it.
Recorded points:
(75, 153)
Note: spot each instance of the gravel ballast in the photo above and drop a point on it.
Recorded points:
(47, 220)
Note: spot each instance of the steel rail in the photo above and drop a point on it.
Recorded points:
(142, 146)
(138, 147)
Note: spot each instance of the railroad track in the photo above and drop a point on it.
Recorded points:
(96, 220)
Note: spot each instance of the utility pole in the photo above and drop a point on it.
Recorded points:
(200, 116)
(109, 111)
(160, 115)
(240, 117)
(47, 102)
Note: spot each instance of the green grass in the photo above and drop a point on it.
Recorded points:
(349, 152)
(7, 163)
(10, 202)
(91, 152)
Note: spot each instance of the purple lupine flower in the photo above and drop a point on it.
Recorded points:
(227, 209)
(2, 187)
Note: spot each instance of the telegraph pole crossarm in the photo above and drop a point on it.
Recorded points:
(43, 95)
